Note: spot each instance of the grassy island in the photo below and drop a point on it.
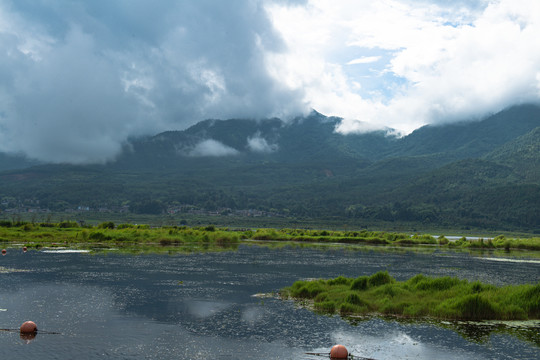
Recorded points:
(418, 297)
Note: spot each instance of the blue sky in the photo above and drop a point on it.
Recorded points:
(78, 78)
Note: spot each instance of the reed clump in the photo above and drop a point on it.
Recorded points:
(419, 296)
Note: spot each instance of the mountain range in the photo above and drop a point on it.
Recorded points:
(479, 174)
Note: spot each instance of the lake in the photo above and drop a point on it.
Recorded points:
(107, 305)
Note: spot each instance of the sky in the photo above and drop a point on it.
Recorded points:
(79, 78)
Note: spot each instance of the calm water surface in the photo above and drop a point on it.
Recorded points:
(201, 306)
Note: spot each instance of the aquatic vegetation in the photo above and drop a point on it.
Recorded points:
(69, 233)
(419, 296)
(391, 238)
(108, 235)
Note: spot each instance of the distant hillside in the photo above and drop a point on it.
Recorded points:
(521, 154)
(483, 174)
(11, 162)
(471, 139)
(303, 140)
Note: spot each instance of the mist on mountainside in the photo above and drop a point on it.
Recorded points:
(480, 174)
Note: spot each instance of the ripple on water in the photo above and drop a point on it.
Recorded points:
(202, 306)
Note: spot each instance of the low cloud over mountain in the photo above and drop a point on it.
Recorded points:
(80, 78)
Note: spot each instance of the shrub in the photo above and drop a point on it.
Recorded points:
(380, 278)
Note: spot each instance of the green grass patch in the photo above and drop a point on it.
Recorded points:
(125, 235)
(393, 238)
(419, 296)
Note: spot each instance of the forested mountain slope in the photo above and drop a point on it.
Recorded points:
(478, 173)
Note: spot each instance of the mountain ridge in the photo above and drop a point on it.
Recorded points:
(437, 175)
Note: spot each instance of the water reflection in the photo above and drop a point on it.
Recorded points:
(203, 309)
(27, 337)
(201, 306)
(478, 332)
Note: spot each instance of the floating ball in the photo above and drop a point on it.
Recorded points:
(24, 249)
(339, 352)
(28, 327)
(4, 252)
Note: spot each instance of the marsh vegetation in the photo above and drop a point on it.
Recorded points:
(71, 233)
(419, 297)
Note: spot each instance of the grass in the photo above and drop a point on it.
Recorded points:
(68, 233)
(419, 297)
(395, 239)
(107, 234)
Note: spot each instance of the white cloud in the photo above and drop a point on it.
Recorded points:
(211, 147)
(364, 60)
(78, 78)
(439, 61)
(256, 143)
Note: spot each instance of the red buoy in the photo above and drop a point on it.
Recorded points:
(339, 352)
(28, 327)
(4, 252)
(24, 249)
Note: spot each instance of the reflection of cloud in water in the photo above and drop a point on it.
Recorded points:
(205, 308)
(65, 251)
(396, 345)
(253, 315)
(511, 260)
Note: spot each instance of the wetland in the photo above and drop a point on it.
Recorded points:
(204, 300)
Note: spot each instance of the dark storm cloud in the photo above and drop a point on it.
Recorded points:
(77, 78)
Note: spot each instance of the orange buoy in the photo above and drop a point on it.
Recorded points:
(4, 252)
(339, 352)
(28, 327)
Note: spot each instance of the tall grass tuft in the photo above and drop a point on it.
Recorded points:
(380, 278)
(360, 283)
